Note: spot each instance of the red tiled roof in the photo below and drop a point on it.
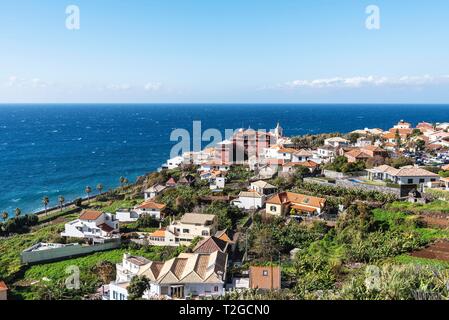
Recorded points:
(210, 245)
(90, 215)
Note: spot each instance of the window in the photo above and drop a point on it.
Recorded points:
(216, 289)
(273, 208)
(185, 230)
(205, 233)
(433, 180)
(265, 273)
(114, 295)
(422, 180)
(410, 181)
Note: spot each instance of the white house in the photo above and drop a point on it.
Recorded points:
(183, 231)
(402, 125)
(327, 153)
(336, 142)
(403, 176)
(92, 225)
(249, 200)
(263, 187)
(363, 142)
(188, 275)
(217, 182)
(174, 163)
(148, 207)
(267, 171)
(154, 191)
(213, 166)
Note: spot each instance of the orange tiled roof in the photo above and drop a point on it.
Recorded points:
(296, 198)
(150, 204)
(287, 150)
(3, 286)
(372, 148)
(401, 131)
(357, 153)
(90, 215)
(308, 164)
(268, 277)
(158, 233)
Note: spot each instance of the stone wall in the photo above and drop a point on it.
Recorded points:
(354, 185)
(29, 256)
(341, 175)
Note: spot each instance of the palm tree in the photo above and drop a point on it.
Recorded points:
(61, 201)
(100, 187)
(88, 191)
(122, 181)
(17, 212)
(5, 215)
(45, 201)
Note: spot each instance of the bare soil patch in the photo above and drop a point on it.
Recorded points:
(438, 251)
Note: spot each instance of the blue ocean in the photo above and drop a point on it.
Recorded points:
(51, 150)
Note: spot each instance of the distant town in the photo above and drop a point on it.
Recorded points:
(258, 216)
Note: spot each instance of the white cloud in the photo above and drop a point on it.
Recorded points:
(153, 86)
(17, 82)
(119, 87)
(367, 81)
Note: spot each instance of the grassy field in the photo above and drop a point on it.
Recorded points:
(112, 208)
(432, 207)
(11, 247)
(407, 259)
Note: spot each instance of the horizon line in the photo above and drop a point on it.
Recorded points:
(224, 103)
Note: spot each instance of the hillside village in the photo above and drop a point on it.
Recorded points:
(260, 215)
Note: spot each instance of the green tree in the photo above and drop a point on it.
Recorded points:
(264, 245)
(61, 201)
(17, 212)
(137, 287)
(105, 270)
(88, 191)
(5, 215)
(397, 137)
(122, 181)
(420, 145)
(45, 202)
(100, 188)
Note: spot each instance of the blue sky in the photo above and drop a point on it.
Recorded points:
(224, 51)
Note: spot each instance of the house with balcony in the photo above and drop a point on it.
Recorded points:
(190, 275)
(327, 153)
(183, 231)
(92, 225)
